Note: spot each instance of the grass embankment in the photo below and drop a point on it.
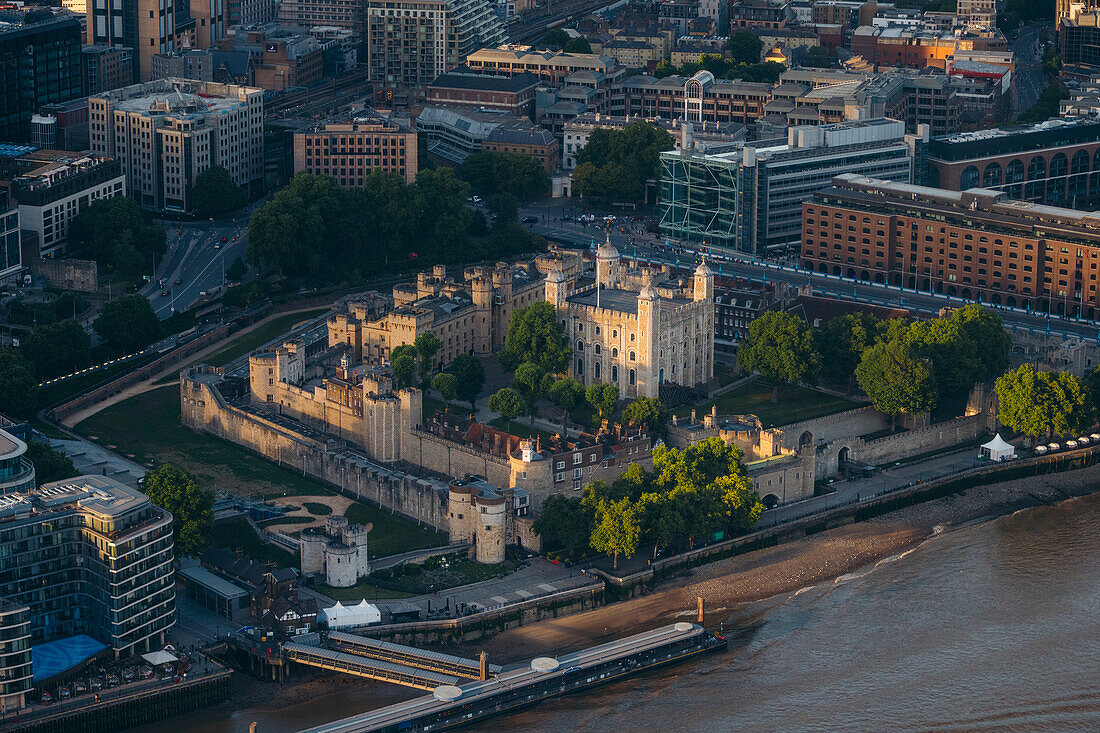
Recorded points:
(755, 398)
(237, 532)
(147, 428)
(254, 339)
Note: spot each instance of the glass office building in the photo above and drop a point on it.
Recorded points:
(750, 199)
(41, 63)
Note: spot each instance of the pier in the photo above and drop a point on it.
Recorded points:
(451, 705)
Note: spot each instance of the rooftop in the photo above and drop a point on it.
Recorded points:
(178, 96)
(463, 78)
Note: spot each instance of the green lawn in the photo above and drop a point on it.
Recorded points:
(250, 341)
(432, 576)
(392, 534)
(755, 398)
(430, 406)
(316, 508)
(237, 532)
(147, 428)
(520, 429)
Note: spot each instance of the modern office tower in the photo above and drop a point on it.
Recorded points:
(41, 63)
(166, 132)
(10, 258)
(107, 68)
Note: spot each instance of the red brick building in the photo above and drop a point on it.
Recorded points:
(975, 244)
(460, 87)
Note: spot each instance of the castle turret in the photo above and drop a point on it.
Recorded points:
(460, 512)
(704, 283)
(491, 541)
(555, 287)
(607, 264)
(646, 379)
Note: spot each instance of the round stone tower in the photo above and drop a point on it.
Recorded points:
(460, 511)
(312, 547)
(340, 565)
(491, 540)
(607, 264)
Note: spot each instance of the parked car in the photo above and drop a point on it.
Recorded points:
(64, 693)
(46, 697)
(95, 684)
(112, 680)
(530, 220)
(79, 688)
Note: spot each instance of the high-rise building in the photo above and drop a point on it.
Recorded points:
(11, 261)
(345, 14)
(249, 12)
(750, 199)
(166, 132)
(107, 68)
(977, 244)
(16, 677)
(41, 63)
(412, 42)
(88, 556)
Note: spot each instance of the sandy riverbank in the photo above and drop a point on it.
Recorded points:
(787, 568)
(724, 585)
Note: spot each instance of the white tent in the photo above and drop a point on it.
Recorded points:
(998, 449)
(158, 658)
(342, 617)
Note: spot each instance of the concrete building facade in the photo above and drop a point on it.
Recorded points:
(166, 132)
(350, 150)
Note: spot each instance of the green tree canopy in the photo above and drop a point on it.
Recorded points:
(536, 334)
(57, 348)
(746, 47)
(723, 68)
(121, 237)
(817, 57)
(604, 397)
(618, 529)
(215, 193)
(192, 507)
(579, 44)
(427, 345)
(986, 333)
(841, 342)
(127, 323)
(237, 270)
(445, 384)
(491, 172)
(49, 465)
(565, 523)
(781, 347)
(555, 37)
(566, 394)
(895, 380)
(469, 377)
(18, 386)
(949, 353)
(1043, 403)
(617, 163)
(507, 402)
(403, 365)
(648, 411)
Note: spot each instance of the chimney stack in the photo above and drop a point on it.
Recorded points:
(484, 659)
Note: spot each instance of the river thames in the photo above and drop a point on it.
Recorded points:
(989, 627)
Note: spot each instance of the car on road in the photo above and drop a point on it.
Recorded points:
(112, 680)
(95, 683)
(530, 220)
(165, 292)
(217, 246)
(224, 240)
(178, 281)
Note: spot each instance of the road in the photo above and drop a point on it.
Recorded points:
(1029, 81)
(647, 247)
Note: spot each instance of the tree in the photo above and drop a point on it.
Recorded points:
(18, 387)
(949, 353)
(120, 236)
(1038, 403)
(427, 345)
(566, 523)
(535, 334)
(648, 411)
(987, 335)
(842, 342)
(528, 381)
(817, 57)
(617, 163)
(781, 347)
(57, 348)
(746, 47)
(127, 323)
(618, 529)
(579, 44)
(214, 193)
(192, 507)
(237, 270)
(403, 366)
(566, 394)
(604, 397)
(446, 385)
(895, 380)
(490, 172)
(49, 465)
(555, 37)
(507, 402)
(661, 520)
(469, 378)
